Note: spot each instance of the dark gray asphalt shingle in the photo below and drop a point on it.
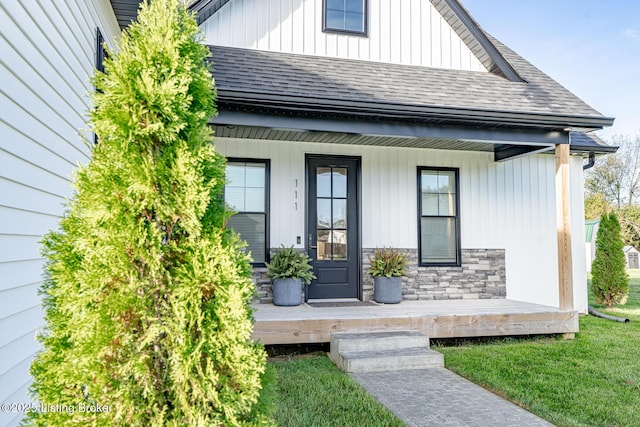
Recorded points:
(325, 78)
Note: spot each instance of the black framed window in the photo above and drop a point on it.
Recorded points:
(247, 194)
(345, 16)
(438, 216)
(101, 54)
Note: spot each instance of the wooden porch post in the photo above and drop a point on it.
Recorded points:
(563, 217)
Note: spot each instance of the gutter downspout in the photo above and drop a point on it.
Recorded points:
(596, 313)
(592, 161)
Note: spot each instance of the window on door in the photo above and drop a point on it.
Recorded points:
(345, 16)
(438, 217)
(331, 203)
(247, 194)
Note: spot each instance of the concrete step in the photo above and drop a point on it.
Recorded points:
(383, 351)
(390, 360)
(374, 341)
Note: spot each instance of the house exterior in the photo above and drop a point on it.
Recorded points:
(631, 256)
(403, 124)
(348, 126)
(591, 227)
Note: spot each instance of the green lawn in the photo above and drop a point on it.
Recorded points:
(312, 391)
(593, 380)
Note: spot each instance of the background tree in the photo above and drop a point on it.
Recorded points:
(616, 177)
(610, 282)
(146, 295)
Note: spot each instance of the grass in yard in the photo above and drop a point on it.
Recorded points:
(312, 391)
(593, 380)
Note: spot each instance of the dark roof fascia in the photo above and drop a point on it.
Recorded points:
(206, 8)
(583, 142)
(286, 103)
(465, 26)
(375, 126)
(592, 149)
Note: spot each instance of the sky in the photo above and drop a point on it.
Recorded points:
(591, 47)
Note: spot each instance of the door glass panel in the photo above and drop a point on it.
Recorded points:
(324, 213)
(323, 182)
(339, 182)
(324, 244)
(340, 213)
(339, 240)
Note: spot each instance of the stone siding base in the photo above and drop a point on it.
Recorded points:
(481, 276)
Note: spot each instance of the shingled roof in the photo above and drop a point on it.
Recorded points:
(514, 92)
(273, 79)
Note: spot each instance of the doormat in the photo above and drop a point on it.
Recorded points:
(342, 304)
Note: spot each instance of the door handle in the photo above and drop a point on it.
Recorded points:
(311, 245)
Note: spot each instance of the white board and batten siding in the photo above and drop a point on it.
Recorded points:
(508, 205)
(410, 32)
(48, 52)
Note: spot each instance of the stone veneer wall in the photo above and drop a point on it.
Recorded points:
(481, 276)
(264, 293)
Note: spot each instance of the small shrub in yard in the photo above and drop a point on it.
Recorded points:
(146, 295)
(610, 282)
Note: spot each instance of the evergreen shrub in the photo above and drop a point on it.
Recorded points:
(610, 281)
(146, 295)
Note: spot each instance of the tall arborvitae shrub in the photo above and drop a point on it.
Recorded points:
(610, 281)
(146, 296)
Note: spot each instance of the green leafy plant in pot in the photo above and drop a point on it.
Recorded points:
(387, 268)
(288, 270)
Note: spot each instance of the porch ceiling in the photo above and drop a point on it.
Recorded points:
(505, 143)
(252, 132)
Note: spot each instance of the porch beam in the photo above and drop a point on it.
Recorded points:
(362, 126)
(563, 220)
(508, 152)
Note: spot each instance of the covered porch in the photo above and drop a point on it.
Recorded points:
(436, 319)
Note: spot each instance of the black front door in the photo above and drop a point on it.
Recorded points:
(332, 225)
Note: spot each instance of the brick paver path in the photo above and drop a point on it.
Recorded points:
(438, 397)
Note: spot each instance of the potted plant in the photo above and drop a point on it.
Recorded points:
(387, 268)
(288, 269)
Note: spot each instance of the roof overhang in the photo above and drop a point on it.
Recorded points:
(286, 103)
(127, 10)
(505, 143)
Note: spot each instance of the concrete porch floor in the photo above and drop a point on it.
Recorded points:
(436, 319)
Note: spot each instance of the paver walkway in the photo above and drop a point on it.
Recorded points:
(438, 397)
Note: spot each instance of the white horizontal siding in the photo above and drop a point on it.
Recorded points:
(508, 205)
(48, 53)
(410, 32)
